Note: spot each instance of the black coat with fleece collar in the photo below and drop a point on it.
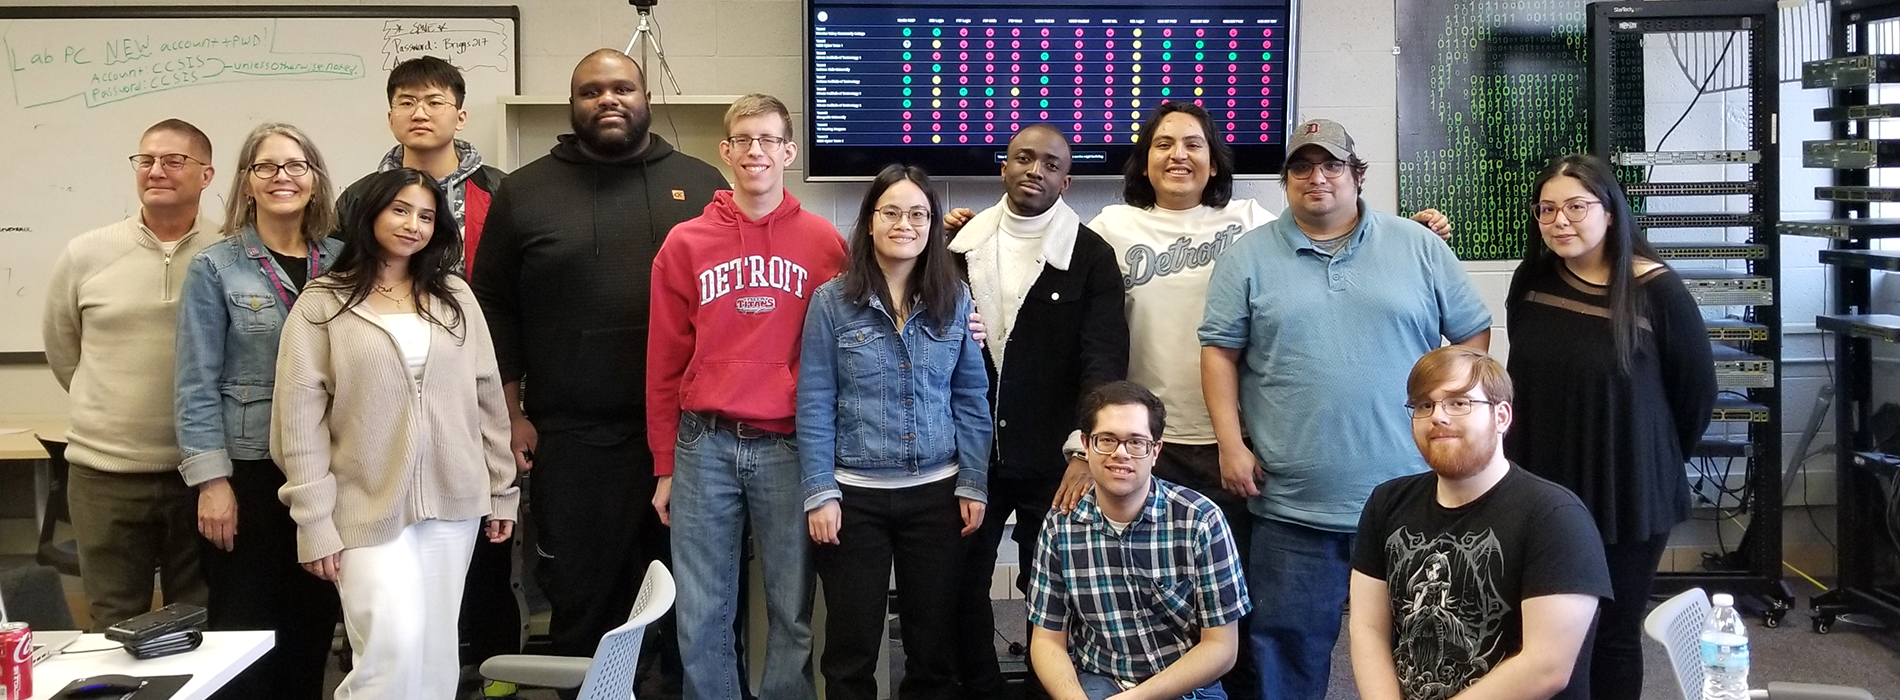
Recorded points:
(566, 263)
(1069, 337)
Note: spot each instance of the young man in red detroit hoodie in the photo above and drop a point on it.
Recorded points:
(729, 295)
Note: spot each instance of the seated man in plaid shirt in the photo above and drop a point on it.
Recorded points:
(1137, 591)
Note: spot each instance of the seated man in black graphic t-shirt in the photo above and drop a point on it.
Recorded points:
(1476, 579)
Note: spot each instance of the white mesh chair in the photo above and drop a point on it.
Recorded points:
(1677, 624)
(607, 676)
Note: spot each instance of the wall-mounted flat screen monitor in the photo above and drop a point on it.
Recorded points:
(944, 85)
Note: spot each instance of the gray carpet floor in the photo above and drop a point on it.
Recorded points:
(1852, 654)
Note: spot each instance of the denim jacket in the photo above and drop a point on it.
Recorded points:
(229, 317)
(872, 399)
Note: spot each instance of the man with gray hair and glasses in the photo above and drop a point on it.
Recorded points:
(110, 327)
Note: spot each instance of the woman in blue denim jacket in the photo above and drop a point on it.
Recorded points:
(236, 294)
(893, 440)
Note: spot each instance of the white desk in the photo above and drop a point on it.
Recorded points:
(211, 666)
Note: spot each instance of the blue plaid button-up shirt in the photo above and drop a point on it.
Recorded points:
(1133, 603)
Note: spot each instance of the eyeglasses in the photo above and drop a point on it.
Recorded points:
(433, 105)
(1575, 210)
(171, 162)
(1105, 444)
(769, 144)
(1454, 406)
(1303, 169)
(266, 171)
(919, 218)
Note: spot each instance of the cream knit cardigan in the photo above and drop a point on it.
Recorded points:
(367, 450)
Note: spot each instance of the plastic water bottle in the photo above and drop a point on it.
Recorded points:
(1724, 652)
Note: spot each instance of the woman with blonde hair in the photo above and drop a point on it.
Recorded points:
(236, 295)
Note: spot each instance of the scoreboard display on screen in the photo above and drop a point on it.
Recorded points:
(944, 86)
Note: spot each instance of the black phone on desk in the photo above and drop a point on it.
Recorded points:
(167, 620)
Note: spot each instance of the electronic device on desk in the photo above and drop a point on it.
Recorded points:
(173, 629)
(47, 645)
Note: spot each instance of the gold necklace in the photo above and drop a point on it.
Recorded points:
(385, 292)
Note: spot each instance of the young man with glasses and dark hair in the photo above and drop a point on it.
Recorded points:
(110, 328)
(1182, 630)
(1476, 577)
(1313, 320)
(426, 109)
(730, 290)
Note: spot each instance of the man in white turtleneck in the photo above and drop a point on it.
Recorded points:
(1052, 295)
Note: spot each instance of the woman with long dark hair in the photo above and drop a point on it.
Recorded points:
(237, 294)
(393, 435)
(894, 440)
(1615, 385)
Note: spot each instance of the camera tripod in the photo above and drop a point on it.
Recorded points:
(645, 29)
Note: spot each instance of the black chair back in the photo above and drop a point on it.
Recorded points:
(62, 555)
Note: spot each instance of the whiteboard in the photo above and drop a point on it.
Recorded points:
(82, 84)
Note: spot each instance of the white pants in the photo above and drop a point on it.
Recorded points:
(401, 602)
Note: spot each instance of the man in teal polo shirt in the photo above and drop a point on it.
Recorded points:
(1313, 322)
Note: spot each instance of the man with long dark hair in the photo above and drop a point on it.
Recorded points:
(565, 267)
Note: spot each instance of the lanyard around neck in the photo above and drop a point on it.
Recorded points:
(284, 293)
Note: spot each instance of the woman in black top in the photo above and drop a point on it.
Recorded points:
(1615, 386)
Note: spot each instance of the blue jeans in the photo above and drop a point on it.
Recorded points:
(1099, 687)
(1297, 578)
(720, 482)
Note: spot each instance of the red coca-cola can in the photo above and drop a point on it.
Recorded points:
(16, 661)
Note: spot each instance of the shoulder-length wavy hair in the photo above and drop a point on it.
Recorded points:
(240, 210)
(1138, 192)
(357, 266)
(934, 279)
(1623, 243)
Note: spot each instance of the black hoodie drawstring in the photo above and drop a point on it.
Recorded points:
(646, 190)
(596, 200)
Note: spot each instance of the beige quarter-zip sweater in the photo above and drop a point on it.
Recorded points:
(110, 329)
(366, 448)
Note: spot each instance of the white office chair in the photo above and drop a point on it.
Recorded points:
(1677, 624)
(607, 676)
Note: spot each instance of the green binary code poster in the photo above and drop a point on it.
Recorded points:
(1489, 90)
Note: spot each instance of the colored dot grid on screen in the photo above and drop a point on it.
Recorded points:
(1095, 64)
(975, 74)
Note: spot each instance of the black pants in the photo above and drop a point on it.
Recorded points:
(493, 606)
(259, 585)
(917, 530)
(1198, 467)
(1029, 500)
(592, 505)
(1616, 664)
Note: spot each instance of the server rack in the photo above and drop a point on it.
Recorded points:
(1748, 344)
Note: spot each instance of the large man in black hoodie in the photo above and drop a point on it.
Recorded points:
(565, 266)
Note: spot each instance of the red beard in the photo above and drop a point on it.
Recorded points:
(1463, 457)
